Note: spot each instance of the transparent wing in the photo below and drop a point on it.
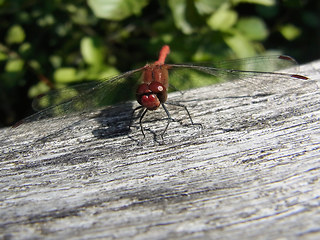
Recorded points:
(271, 63)
(267, 74)
(58, 96)
(116, 89)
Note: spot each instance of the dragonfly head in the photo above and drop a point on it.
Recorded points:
(151, 95)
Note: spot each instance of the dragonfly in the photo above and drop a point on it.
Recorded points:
(151, 84)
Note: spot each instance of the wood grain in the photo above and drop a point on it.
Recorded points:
(251, 172)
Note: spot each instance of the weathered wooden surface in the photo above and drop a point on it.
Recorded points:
(252, 172)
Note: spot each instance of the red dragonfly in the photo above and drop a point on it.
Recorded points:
(152, 86)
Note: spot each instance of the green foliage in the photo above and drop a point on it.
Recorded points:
(253, 28)
(15, 35)
(54, 44)
(116, 9)
(222, 19)
(290, 32)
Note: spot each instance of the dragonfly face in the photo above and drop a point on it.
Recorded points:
(151, 95)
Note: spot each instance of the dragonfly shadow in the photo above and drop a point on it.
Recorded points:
(114, 121)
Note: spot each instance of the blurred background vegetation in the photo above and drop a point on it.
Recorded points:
(51, 44)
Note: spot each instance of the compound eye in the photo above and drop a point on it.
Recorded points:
(142, 89)
(157, 87)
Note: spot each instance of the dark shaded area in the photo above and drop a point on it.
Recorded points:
(114, 121)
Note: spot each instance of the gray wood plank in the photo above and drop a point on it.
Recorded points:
(251, 172)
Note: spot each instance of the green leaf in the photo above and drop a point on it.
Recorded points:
(92, 50)
(34, 64)
(116, 9)
(38, 89)
(290, 32)
(14, 65)
(97, 74)
(253, 28)
(65, 75)
(56, 61)
(240, 45)
(46, 20)
(222, 19)
(178, 8)
(261, 2)
(208, 6)
(25, 49)
(3, 56)
(81, 16)
(15, 34)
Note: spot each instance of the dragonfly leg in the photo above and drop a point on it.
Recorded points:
(132, 117)
(140, 122)
(169, 119)
(187, 111)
